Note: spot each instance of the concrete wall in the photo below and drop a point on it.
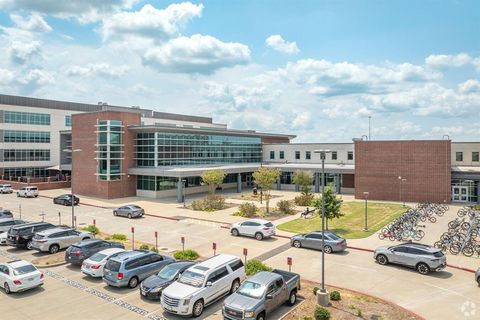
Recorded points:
(39, 185)
(426, 166)
(85, 165)
(290, 148)
(467, 148)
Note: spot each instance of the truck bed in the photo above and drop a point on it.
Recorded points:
(291, 279)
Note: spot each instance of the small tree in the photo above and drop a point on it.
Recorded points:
(333, 204)
(213, 178)
(265, 178)
(304, 180)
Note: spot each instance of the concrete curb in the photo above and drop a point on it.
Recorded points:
(51, 265)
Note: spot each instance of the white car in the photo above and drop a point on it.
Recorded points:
(203, 284)
(257, 228)
(3, 238)
(5, 188)
(93, 266)
(26, 192)
(19, 275)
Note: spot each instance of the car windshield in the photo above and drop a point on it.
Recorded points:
(168, 273)
(113, 265)
(333, 236)
(135, 207)
(251, 289)
(192, 279)
(438, 254)
(98, 257)
(269, 224)
(24, 269)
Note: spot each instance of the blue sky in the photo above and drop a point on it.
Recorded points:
(316, 69)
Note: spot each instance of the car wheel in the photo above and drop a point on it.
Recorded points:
(7, 288)
(18, 194)
(478, 281)
(293, 298)
(382, 259)
(198, 308)
(129, 216)
(29, 245)
(297, 244)
(235, 232)
(26, 195)
(133, 282)
(422, 268)
(261, 317)
(328, 249)
(86, 238)
(235, 286)
(259, 236)
(53, 249)
(115, 213)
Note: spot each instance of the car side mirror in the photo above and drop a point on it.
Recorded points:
(269, 296)
(209, 284)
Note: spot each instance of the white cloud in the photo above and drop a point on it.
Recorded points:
(451, 61)
(100, 69)
(20, 52)
(84, 11)
(469, 86)
(196, 54)
(34, 22)
(6, 76)
(276, 42)
(149, 22)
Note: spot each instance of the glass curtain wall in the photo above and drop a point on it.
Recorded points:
(109, 149)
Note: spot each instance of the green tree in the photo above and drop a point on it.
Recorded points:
(333, 204)
(304, 180)
(213, 178)
(265, 178)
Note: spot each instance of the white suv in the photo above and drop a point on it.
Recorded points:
(257, 228)
(27, 192)
(6, 188)
(19, 275)
(203, 284)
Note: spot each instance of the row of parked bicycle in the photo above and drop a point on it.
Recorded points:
(407, 227)
(463, 234)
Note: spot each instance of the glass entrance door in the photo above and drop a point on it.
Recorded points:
(460, 194)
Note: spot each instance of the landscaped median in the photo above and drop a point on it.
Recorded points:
(351, 224)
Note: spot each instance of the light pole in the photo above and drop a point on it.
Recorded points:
(184, 184)
(365, 194)
(322, 294)
(402, 181)
(72, 151)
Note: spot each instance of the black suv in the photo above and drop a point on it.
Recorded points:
(80, 251)
(21, 236)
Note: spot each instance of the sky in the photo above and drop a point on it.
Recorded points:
(317, 69)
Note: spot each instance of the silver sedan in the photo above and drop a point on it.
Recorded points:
(313, 240)
(129, 211)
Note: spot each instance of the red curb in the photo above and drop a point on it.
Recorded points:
(461, 268)
(162, 217)
(360, 249)
(281, 236)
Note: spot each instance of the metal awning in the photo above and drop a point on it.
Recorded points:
(57, 167)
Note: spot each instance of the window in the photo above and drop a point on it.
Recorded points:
(308, 155)
(459, 156)
(475, 156)
(282, 155)
(19, 136)
(272, 154)
(297, 155)
(68, 121)
(400, 249)
(27, 118)
(217, 275)
(109, 149)
(26, 155)
(236, 265)
(334, 155)
(350, 155)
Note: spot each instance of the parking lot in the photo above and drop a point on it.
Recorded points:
(67, 293)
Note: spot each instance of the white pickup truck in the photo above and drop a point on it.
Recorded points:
(203, 284)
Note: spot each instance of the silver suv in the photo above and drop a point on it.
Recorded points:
(422, 257)
(52, 240)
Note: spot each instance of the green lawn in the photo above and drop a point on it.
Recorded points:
(351, 224)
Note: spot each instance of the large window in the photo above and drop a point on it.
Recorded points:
(459, 156)
(26, 136)
(475, 157)
(308, 155)
(24, 172)
(27, 118)
(26, 155)
(282, 155)
(170, 149)
(109, 149)
(334, 155)
(350, 155)
(272, 155)
(297, 155)
(68, 121)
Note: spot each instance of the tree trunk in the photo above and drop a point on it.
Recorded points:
(326, 223)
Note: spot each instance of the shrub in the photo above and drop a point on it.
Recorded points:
(304, 200)
(321, 313)
(197, 205)
(247, 210)
(359, 313)
(144, 247)
(254, 266)
(189, 255)
(154, 249)
(335, 296)
(285, 207)
(91, 228)
(315, 290)
(108, 238)
(307, 318)
(119, 237)
(209, 204)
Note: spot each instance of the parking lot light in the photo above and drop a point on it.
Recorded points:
(365, 195)
(72, 200)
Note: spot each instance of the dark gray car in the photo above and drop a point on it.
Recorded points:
(313, 240)
(83, 250)
(129, 211)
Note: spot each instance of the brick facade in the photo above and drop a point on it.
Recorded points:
(85, 166)
(426, 166)
(348, 180)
